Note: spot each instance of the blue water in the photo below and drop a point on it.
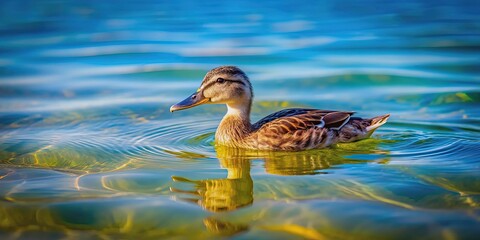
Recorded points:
(89, 149)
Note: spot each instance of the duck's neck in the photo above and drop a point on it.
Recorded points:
(235, 125)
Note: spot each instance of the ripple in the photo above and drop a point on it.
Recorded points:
(119, 145)
(422, 148)
(396, 60)
(205, 51)
(188, 135)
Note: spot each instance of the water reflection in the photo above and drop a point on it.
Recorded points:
(304, 163)
(236, 190)
(217, 195)
(221, 197)
(226, 228)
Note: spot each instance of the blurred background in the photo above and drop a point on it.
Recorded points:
(65, 55)
(87, 141)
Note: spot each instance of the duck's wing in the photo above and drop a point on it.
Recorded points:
(283, 113)
(293, 119)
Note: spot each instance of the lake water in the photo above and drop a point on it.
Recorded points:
(90, 150)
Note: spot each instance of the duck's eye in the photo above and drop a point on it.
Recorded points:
(220, 80)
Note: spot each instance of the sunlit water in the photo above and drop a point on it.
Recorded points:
(89, 149)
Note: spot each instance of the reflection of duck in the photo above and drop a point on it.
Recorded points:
(224, 194)
(302, 163)
(294, 163)
(236, 190)
(289, 129)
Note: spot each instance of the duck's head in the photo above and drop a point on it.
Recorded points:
(222, 85)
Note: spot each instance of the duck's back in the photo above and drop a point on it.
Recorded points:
(301, 129)
(298, 129)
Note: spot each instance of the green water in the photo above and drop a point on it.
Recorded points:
(89, 149)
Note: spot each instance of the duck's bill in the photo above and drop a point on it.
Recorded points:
(189, 102)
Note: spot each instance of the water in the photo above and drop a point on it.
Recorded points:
(90, 150)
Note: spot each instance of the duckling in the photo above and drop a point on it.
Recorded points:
(293, 129)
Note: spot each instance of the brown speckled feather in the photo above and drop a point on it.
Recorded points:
(300, 118)
(294, 129)
(283, 113)
(336, 120)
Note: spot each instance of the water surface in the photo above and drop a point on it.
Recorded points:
(89, 149)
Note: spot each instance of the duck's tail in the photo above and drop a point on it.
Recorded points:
(376, 122)
(358, 128)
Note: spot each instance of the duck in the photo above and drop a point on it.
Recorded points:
(293, 129)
